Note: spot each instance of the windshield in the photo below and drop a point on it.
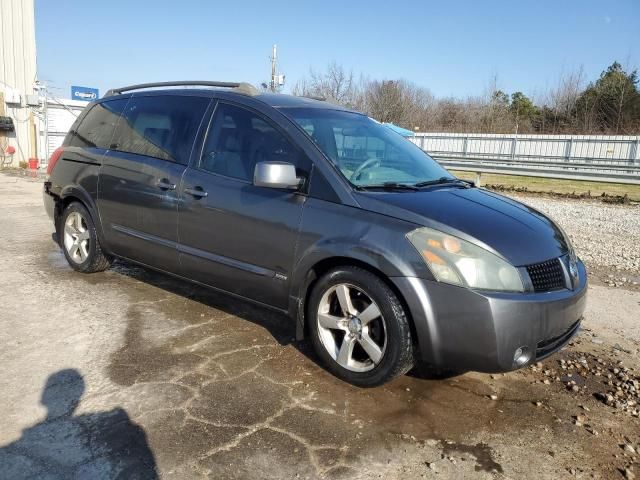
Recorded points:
(366, 152)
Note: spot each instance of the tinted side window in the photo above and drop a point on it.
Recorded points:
(96, 128)
(238, 139)
(162, 126)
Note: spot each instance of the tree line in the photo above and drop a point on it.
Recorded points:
(608, 105)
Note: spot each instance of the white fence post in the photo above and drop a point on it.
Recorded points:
(568, 149)
(634, 151)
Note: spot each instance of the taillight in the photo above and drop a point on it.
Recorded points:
(55, 156)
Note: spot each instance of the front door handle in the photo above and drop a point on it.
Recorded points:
(165, 184)
(196, 192)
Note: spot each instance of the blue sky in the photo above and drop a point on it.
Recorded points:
(453, 48)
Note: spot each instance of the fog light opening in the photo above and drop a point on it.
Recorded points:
(521, 356)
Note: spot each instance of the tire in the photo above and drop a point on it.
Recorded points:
(359, 361)
(78, 239)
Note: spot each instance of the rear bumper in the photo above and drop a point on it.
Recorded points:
(49, 202)
(464, 329)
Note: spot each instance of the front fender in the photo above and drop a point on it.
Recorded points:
(330, 230)
(350, 235)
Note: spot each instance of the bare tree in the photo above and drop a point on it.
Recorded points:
(419, 103)
(384, 101)
(334, 83)
(611, 104)
(562, 100)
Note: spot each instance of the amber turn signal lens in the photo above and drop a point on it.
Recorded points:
(432, 257)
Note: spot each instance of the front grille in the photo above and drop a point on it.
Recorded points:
(550, 345)
(547, 276)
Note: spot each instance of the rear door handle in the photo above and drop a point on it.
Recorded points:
(165, 184)
(196, 192)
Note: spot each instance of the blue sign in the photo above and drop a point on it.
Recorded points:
(85, 94)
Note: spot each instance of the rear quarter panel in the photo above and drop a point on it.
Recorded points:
(76, 175)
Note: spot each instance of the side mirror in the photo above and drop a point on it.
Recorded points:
(276, 175)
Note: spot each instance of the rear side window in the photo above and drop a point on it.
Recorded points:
(96, 128)
(162, 126)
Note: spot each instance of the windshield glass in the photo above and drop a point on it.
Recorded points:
(366, 152)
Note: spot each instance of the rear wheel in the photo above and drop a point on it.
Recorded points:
(359, 327)
(79, 242)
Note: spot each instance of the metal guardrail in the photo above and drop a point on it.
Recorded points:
(611, 174)
(600, 159)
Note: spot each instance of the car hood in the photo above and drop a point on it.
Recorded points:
(519, 233)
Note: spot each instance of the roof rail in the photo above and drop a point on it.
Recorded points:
(241, 87)
(320, 98)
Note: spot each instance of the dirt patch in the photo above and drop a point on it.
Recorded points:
(603, 197)
(481, 452)
(617, 278)
(597, 375)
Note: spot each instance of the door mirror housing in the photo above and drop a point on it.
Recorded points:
(276, 175)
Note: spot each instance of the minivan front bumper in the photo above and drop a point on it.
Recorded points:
(465, 329)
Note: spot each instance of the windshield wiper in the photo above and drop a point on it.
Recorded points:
(443, 180)
(388, 186)
(466, 182)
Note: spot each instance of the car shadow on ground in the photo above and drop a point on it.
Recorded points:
(280, 326)
(64, 445)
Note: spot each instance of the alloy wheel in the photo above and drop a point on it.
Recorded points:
(351, 328)
(76, 237)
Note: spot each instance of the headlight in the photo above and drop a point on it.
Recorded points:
(567, 240)
(458, 262)
(573, 258)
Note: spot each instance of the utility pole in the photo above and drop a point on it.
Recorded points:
(46, 122)
(274, 59)
(33, 131)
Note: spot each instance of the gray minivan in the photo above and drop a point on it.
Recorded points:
(377, 253)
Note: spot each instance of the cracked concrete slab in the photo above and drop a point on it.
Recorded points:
(132, 373)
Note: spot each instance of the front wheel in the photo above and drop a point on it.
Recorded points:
(359, 328)
(79, 241)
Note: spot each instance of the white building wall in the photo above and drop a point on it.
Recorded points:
(61, 113)
(18, 72)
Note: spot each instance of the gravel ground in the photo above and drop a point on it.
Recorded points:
(604, 235)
